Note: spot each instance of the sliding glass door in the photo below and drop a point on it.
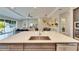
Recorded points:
(2, 25)
(7, 28)
(10, 25)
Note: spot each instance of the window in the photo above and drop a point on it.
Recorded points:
(7, 28)
(7, 25)
(10, 25)
(2, 25)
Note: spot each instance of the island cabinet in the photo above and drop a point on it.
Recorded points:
(27, 47)
(39, 47)
(67, 47)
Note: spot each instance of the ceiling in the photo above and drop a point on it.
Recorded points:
(23, 12)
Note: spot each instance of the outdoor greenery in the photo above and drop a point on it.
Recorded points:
(2, 25)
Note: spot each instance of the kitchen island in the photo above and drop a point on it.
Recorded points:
(39, 41)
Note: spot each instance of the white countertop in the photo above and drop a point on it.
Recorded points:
(23, 37)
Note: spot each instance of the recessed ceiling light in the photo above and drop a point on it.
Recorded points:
(12, 7)
(34, 7)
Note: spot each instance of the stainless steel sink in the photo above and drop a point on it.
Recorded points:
(39, 38)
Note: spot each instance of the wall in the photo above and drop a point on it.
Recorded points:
(68, 15)
(19, 24)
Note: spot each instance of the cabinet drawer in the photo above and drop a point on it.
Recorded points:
(67, 44)
(39, 45)
(15, 46)
(66, 47)
(39, 49)
(4, 49)
(16, 49)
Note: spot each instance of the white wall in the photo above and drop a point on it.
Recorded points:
(68, 15)
(71, 21)
(19, 24)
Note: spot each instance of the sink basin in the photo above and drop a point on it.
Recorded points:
(39, 38)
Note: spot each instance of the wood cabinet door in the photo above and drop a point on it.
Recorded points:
(66, 47)
(16, 47)
(39, 47)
